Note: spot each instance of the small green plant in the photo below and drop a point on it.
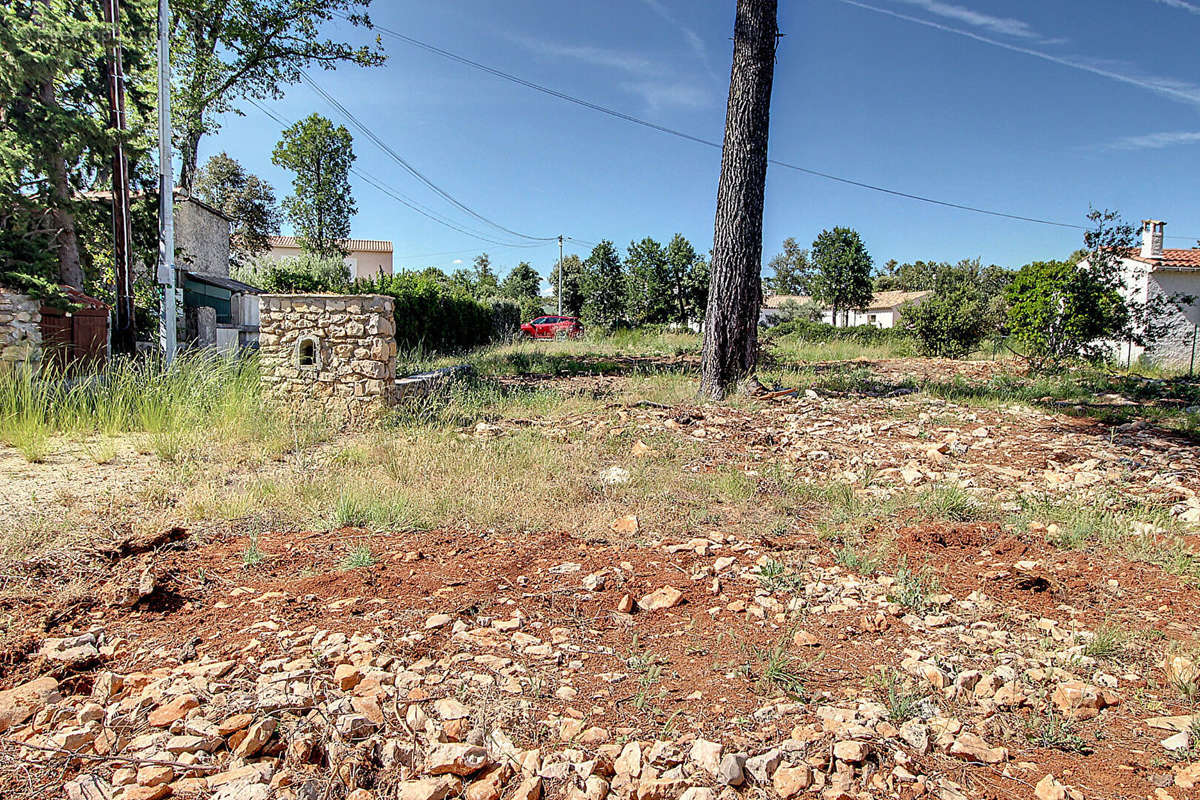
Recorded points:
(781, 671)
(1107, 643)
(1053, 731)
(856, 559)
(890, 686)
(253, 555)
(776, 576)
(360, 556)
(949, 503)
(912, 588)
(102, 451)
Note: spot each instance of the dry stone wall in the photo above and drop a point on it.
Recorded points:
(20, 331)
(334, 354)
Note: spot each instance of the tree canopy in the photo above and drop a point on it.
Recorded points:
(321, 205)
(522, 282)
(247, 198)
(793, 271)
(843, 278)
(224, 51)
(603, 287)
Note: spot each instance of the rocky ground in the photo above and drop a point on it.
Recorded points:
(985, 647)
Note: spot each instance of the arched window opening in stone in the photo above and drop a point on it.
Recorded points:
(306, 353)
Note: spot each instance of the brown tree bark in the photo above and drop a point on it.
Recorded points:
(66, 242)
(730, 352)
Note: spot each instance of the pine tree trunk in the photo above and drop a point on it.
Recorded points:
(66, 242)
(730, 351)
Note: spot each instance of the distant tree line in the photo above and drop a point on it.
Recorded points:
(1051, 312)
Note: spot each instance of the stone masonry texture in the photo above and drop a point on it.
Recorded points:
(20, 332)
(332, 354)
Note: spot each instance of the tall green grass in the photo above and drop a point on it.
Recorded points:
(202, 392)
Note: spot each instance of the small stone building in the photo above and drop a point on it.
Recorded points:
(20, 329)
(333, 354)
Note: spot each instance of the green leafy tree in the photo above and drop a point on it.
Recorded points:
(485, 282)
(321, 207)
(648, 287)
(843, 278)
(603, 287)
(1058, 311)
(55, 139)
(225, 51)
(572, 284)
(952, 321)
(247, 198)
(1061, 310)
(523, 282)
(688, 272)
(794, 273)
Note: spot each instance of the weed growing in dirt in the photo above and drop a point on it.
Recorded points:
(781, 671)
(949, 503)
(776, 576)
(253, 555)
(360, 556)
(895, 692)
(1052, 731)
(912, 588)
(102, 451)
(856, 559)
(1107, 643)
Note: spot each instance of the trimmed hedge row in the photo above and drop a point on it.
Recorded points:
(433, 317)
(808, 331)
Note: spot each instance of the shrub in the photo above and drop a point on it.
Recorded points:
(1059, 311)
(808, 331)
(303, 274)
(506, 317)
(430, 315)
(952, 321)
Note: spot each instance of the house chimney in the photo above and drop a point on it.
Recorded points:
(1152, 238)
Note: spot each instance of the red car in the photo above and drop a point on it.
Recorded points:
(553, 327)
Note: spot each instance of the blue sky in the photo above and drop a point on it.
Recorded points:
(1033, 107)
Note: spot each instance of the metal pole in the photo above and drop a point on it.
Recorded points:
(123, 336)
(1192, 366)
(560, 270)
(166, 189)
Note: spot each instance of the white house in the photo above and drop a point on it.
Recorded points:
(1154, 271)
(365, 258)
(883, 312)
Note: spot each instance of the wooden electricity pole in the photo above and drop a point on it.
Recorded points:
(123, 335)
(730, 352)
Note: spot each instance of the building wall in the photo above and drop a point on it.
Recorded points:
(20, 332)
(1175, 348)
(202, 238)
(353, 345)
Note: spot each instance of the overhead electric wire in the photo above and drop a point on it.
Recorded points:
(711, 143)
(406, 201)
(416, 173)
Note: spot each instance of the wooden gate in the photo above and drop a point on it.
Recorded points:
(76, 339)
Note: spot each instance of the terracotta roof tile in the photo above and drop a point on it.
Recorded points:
(1172, 259)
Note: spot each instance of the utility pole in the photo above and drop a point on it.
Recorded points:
(560, 268)
(123, 337)
(166, 189)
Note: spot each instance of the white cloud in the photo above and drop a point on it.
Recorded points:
(457, 261)
(655, 83)
(689, 34)
(1182, 5)
(1155, 141)
(1004, 25)
(1172, 88)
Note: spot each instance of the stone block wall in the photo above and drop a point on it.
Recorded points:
(20, 329)
(334, 354)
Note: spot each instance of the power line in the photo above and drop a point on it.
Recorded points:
(416, 173)
(400, 197)
(710, 143)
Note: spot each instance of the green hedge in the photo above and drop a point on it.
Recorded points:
(808, 331)
(430, 315)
